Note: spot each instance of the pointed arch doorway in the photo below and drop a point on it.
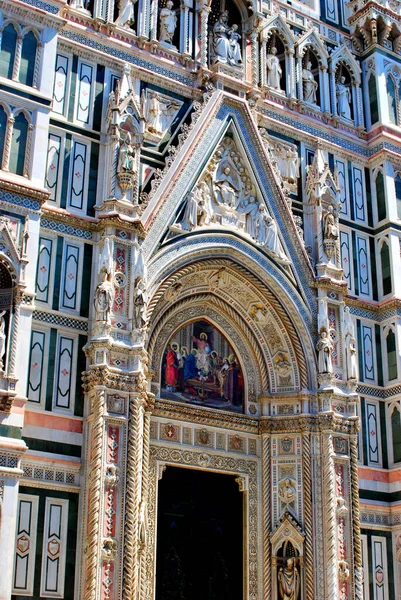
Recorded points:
(199, 536)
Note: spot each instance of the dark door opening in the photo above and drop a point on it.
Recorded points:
(199, 536)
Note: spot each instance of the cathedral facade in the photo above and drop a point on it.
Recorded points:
(200, 299)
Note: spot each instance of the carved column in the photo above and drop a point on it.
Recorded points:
(154, 10)
(356, 528)
(333, 92)
(93, 528)
(133, 497)
(14, 335)
(7, 143)
(330, 517)
(291, 90)
(204, 37)
(38, 61)
(308, 515)
(17, 58)
(266, 502)
(263, 78)
(28, 151)
(254, 54)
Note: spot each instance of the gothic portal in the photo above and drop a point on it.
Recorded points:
(200, 236)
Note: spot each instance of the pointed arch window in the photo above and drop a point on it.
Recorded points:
(397, 182)
(391, 348)
(374, 107)
(8, 51)
(392, 100)
(3, 131)
(386, 269)
(19, 55)
(380, 196)
(396, 434)
(28, 59)
(18, 144)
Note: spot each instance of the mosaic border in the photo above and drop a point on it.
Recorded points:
(51, 319)
(65, 228)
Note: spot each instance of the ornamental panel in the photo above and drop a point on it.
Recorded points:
(54, 548)
(25, 545)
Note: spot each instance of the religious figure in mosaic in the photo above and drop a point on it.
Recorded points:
(343, 99)
(274, 70)
(324, 348)
(2, 337)
(289, 581)
(103, 300)
(168, 23)
(310, 85)
(126, 15)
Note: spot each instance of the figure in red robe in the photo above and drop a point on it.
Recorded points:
(171, 370)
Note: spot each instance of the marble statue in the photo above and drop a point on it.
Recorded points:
(235, 48)
(349, 342)
(154, 115)
(289, 581)
(140, 302)
(226, 48)
(310, 85)
(343, 94)
(103, 300)
(274, 70)
(126, 15)
(126, 156)
(227, 188)
(324, 348)
(249, 207)
(106, 260)
(2, 337)
(348, 324)
(330, 226)
(168, 23)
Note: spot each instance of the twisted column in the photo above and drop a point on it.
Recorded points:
(204, 19)
(7, 144)
(17, 58)
(145, 490)
(254, 52)
(330, 518)
(28, 150)
(130, 565)
(266, 490)
(14, 336)
(38, 60)
(94, 495)
(356, 528)
(308, 517)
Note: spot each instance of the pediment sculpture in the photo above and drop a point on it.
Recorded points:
(226, 196)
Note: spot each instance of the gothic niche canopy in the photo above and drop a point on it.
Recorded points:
(225, 196)
(200, 367)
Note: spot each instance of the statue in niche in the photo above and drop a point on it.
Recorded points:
(103, 300)
(350, 350)
(343, 99)
(2, 338)
(330, 226)
(310, 85)
(160, 112)
(126, 156)
(274, 70)
(154, 116)
(324, 348)
(287, 492)
(226, 48)
(168, 23)
(140, 302)
(289, 581)
(126, 15)
(106, 260)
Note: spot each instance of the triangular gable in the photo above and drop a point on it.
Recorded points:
(342, 54)
(277, 24)
(287, 529)
(312, 38)
(221, 113)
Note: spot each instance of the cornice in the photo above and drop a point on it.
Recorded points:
(27, 189)
(33, 13)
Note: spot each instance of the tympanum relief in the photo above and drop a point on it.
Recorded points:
(226, 196)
